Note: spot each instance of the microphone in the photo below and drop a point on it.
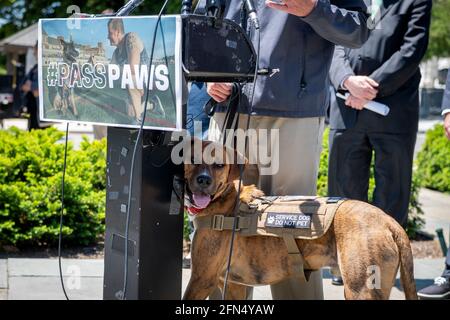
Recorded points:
(129, 7)
(373, 106)
(250, 7)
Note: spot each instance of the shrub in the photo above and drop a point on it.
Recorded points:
(433, 161)
(415, 216)
(31, 165)
(186, 229)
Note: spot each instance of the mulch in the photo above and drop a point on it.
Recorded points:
(89, 252)
(429, 249)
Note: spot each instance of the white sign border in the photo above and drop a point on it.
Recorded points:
(178, 78)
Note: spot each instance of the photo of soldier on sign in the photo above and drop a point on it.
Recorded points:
(97, 70)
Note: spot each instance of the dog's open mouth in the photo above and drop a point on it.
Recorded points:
(201, 201)
(196, 201)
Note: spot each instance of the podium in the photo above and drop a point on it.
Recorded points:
(80, 83)
(155, 241)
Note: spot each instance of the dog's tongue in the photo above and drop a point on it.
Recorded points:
(201, 201)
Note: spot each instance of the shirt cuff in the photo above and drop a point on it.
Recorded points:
(445, 111)
(341, 86)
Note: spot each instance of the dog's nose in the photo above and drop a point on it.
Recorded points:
(204, 181)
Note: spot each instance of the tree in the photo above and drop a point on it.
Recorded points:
(439, 45)
(19, 14)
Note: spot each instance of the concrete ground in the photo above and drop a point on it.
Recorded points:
(436, 206)
(38, 279)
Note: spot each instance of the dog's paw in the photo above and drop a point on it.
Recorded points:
(249, 193)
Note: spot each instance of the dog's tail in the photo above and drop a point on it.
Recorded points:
(406, 263)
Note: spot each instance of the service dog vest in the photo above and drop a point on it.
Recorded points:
(288, 217)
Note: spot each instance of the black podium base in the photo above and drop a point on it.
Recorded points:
(155, 241)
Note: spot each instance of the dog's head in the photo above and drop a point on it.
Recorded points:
(210, 171)
(69, 52)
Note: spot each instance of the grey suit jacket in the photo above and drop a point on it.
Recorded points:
(446, 100)
(391, 57)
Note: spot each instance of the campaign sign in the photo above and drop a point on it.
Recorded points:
(98, 71)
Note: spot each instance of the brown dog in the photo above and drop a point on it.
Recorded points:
(361, 236)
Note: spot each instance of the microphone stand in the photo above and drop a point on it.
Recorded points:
(128, 8)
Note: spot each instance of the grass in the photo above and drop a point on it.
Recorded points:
(2, 70)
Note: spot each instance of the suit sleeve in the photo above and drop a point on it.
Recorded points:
(403, 64)
(342, 23)
(340, 67)
(446, 100)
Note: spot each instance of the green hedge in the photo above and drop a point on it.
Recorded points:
(31, 166)
(434, 160)
(415, 217)
(30, 188)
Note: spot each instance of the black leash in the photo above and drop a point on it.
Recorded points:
(241, 166)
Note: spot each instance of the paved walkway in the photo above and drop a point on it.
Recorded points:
(436, 206)
(38, 279)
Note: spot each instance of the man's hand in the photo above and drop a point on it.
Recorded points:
(219, 91)
(300, 8)
(361, 87)
(447, 125)
(356, 103)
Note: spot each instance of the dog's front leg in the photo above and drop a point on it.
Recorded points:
(208, 254)
(199, 288)
(236, 291)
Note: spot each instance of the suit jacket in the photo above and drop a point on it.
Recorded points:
(391, 57)
(446, 100)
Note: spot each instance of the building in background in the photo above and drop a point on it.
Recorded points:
(18, 49)
(434, 73)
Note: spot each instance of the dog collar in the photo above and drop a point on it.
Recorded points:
(193, 211)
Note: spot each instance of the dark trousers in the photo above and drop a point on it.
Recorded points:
(447, 265)
(350, 159)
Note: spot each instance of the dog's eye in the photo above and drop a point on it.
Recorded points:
(218, 165)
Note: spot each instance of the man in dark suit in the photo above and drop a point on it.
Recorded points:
(446, 108)
(441, 287)
(385, 69)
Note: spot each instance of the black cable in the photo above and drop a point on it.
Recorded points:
(190, 119)
(241, 167)
(62, 212)
(139, 136)
(123, 294)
